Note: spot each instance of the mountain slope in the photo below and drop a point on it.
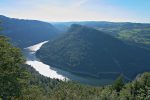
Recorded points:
(89, 51)
(22, 82)
(25, 33)
(136, 33)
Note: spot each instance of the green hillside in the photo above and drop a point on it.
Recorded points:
(86, 51)
(22, 82)
(134, 33)
(24, 33)
(138, 33)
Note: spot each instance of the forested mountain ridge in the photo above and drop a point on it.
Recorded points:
(137, 33)
(24, 33)
(84, 50)
(16, 29)
(21, 82)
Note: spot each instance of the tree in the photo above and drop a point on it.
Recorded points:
(142, 87)
(118, 84)
(10, 71)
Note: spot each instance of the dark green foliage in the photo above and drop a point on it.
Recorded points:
(118, 84)
(134, 33)
(22, 82)
(142, 87)
(11, 75)
(91, 52)
(37, 87)
(19, 81)
(74, 91)
(139, 89)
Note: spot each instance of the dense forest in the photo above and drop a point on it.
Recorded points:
(90, 52)
(137, 33)
(21, 82)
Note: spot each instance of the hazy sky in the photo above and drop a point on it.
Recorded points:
(78, 10)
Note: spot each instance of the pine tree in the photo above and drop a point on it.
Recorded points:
(118, 84)
(10, 70)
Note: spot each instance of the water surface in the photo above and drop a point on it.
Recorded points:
(56, 73)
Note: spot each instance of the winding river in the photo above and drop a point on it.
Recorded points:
(55, 73)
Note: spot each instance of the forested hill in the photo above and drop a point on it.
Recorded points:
(88, 51)
(25, 33)
(134, 33)
(21, 82)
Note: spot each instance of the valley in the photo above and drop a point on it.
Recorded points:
(56, 73)
(77, 61)
(89, 52)
(74, 50)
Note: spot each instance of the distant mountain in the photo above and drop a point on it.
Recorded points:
(25, 33)
(137, 33)
(112, 27)
(87, 51)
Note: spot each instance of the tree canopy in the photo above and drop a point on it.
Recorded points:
(10, 70)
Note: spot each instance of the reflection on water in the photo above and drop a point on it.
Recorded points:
(39, 66)
(52, 72)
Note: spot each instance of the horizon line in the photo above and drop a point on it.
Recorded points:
(71, 21)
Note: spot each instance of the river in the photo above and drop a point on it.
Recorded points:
(55, 73)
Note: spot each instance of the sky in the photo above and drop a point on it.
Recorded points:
(78, 10)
